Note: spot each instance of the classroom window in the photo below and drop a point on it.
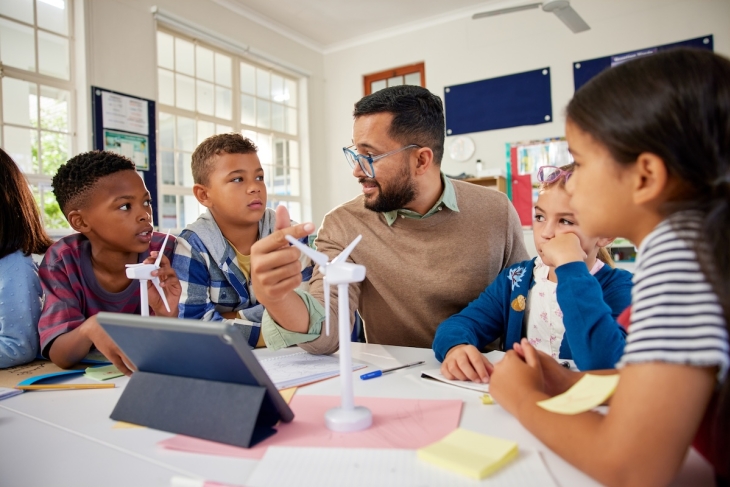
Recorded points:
(36, 96)
(203, 91)
(413, 74)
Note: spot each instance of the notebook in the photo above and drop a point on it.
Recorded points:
(435, 374)
(298, 369)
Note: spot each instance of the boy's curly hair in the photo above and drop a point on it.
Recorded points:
(232, 143)
(75, 180)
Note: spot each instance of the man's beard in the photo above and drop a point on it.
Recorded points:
(402, 192)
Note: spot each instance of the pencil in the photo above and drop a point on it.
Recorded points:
(66, 386)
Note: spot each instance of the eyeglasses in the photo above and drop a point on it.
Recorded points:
(365, 161)
(550, 174)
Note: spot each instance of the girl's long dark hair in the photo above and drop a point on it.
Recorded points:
(20, 220)
(675, 104)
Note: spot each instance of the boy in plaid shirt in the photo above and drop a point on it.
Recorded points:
(107, 203)
(212, 254)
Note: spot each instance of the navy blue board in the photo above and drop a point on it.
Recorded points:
(194, 378)
(583, 71)
(498, 103)
(150, 174)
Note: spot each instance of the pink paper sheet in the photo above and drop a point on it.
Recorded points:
(397, 423)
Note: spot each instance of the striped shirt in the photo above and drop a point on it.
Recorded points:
(72, 293)
(676, 317)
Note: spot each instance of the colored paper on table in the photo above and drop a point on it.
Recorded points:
(468, 453)
(105, 372)
(365, 467)
(288, 394)
(6, 392)
(36, 370)
(122, 425)
(589, 392)
(95, 357)
(397, 423)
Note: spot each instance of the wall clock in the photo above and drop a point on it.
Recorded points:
(461, 148)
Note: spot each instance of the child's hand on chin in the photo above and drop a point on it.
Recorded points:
(169, 283)
(562, 249)
(94, 332)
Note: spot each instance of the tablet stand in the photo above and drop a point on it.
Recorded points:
(225, 412)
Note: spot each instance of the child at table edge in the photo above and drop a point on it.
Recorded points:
(106, 201)
(651, 141)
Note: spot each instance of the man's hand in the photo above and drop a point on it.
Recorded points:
(92, 330)
(169, 283)
(562, 249)
(465, 362)
(275, 267)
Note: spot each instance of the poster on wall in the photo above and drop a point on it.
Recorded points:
(583, 71)
(125, 124)
(124, 113)
(523, 161)
(135, 147)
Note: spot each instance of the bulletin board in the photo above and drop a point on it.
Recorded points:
(498, 103)
(126, 124)
(583, 71)
(523, 161)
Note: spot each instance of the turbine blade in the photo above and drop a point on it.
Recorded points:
(162, 250)
(156, 282)
(346, 253)
(501, 11)
(571, 18)
(317, 257)
(326, 305)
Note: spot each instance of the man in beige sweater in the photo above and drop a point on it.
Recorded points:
(430, 245)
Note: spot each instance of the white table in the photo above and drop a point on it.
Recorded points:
(65, 437)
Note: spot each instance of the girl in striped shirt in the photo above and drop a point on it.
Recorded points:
(651, 142)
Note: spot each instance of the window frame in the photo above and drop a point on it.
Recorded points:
(180, 190)
(37, 180)
(368, 79)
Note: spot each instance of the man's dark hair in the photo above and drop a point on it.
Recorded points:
(75, 180)
(20, 220)
(418, 116)
(233, 143)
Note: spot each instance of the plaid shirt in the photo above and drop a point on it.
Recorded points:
(212, 282)
(72, 292)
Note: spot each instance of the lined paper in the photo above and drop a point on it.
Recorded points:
(365, 467)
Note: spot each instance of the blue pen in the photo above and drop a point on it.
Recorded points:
(378, 373)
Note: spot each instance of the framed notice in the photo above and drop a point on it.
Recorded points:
(125, 124)
(132, 146)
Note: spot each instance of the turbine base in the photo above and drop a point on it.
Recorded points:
(348, 420)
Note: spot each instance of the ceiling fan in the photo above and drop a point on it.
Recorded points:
(561, 8)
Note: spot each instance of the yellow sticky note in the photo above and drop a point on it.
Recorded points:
(487, 399)
(469, 453)
(287, 394)
(121, 425)
(590, 391)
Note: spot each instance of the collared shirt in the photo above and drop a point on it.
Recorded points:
(277, 337)
(448, 199)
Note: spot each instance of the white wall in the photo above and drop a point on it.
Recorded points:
(467, 50)
(121, 56)
(120, 46)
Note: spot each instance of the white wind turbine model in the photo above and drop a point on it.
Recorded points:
(143, 272)
(347, 417)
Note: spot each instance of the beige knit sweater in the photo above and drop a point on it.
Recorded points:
(418, 272)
